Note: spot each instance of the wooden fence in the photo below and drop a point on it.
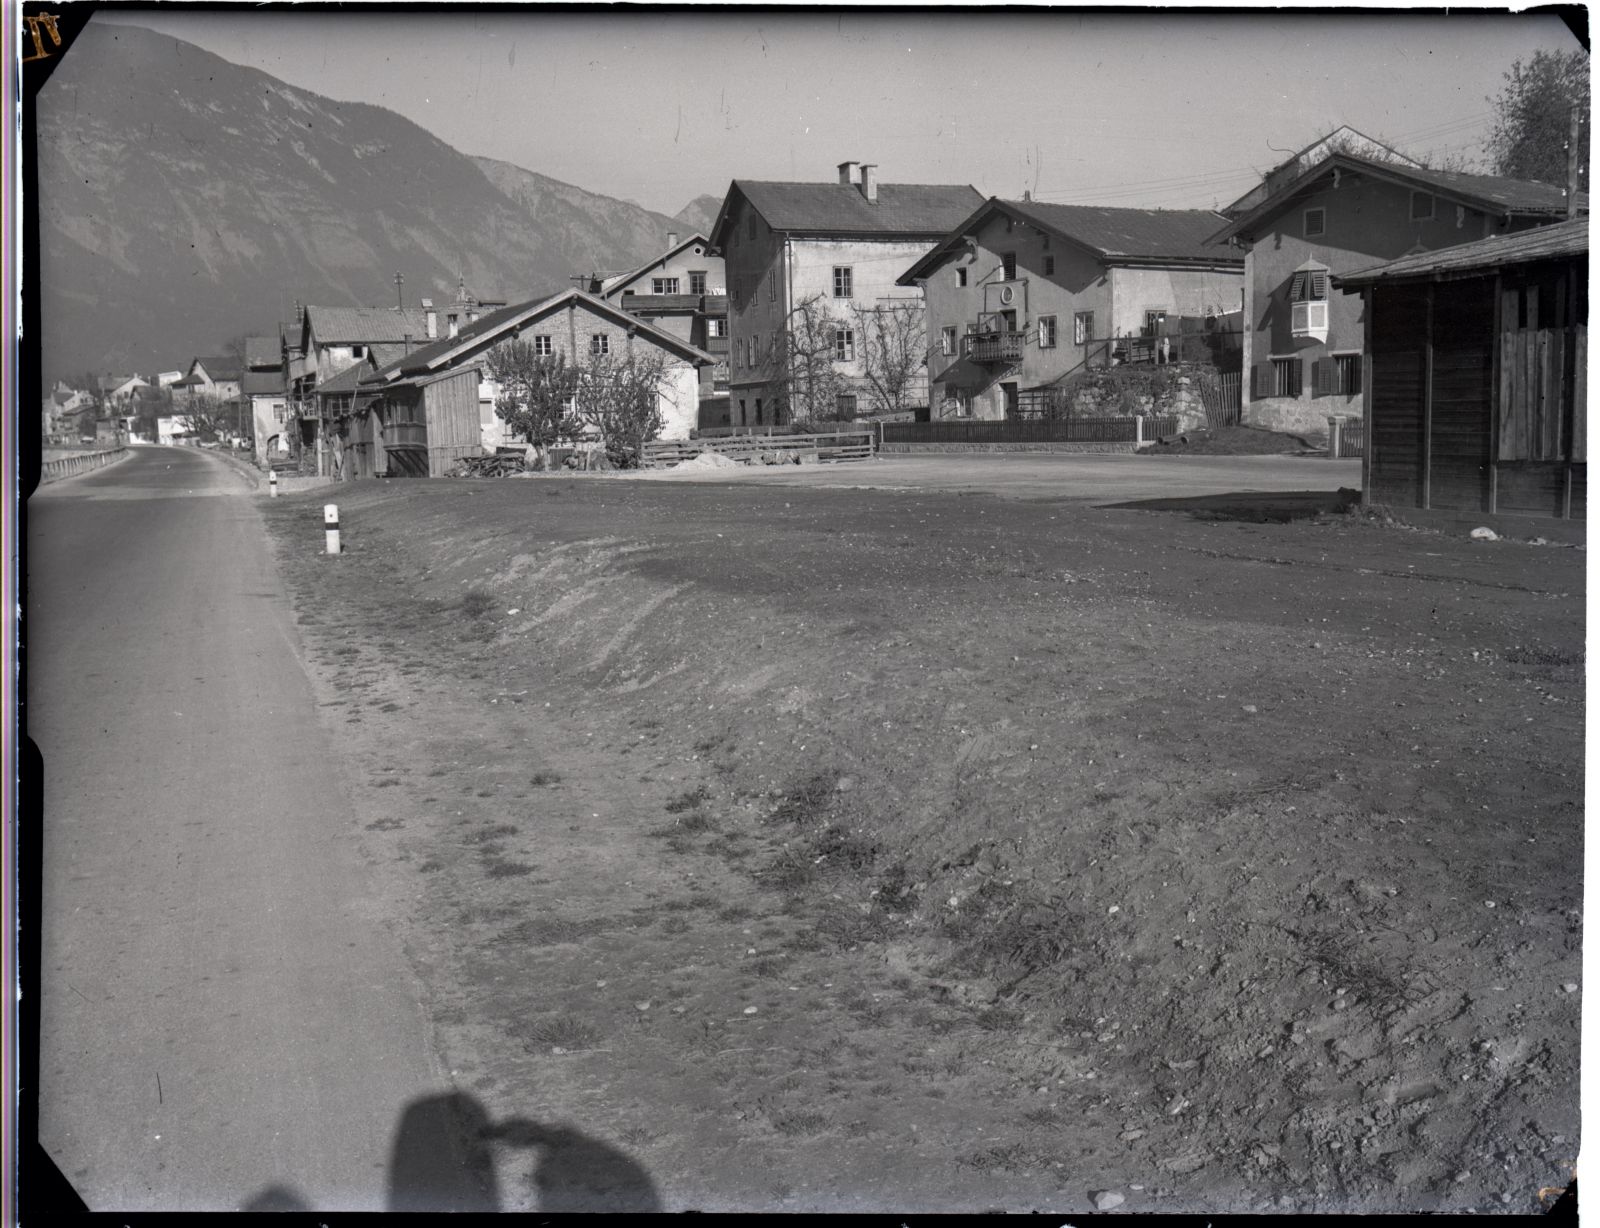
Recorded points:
(1543, 387)
(827, 447)
(1347, 437)
(1059, 430)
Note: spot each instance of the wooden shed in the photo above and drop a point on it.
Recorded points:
(421, 427)
(1476, 378)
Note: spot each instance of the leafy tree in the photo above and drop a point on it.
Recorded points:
(536, 393)
(620, 399)
(1533, 118)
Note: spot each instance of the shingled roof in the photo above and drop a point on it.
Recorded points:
(217, 366)
(364, 325)
(1146, 237)
(262, 353)
(913, 209)
(261, 383)
(1555, 242)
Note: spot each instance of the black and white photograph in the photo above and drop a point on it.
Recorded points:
(876, 610)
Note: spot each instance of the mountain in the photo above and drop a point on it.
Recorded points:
(608, 222)
(184, 200)
(700, 214)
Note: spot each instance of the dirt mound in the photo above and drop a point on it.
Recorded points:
(1226, 865)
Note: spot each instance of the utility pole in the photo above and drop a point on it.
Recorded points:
(399, 293)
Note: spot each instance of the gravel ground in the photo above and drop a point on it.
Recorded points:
(811, 849)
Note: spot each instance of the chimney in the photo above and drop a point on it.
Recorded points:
(869, 182)
(472, 314)
(432, 318)
(455, 324)
(407, 340)
(672, 238)
(849, 172)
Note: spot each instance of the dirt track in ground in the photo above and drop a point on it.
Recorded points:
(1164, 866)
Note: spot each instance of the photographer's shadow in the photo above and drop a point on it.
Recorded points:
(443, 1160)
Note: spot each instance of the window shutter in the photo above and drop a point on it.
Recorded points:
(1297, 287)
(1319, 284)
(1263, 385)
(1296, 374)
(1322, 376)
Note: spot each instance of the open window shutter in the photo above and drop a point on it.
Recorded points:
(1296, 375)
(1263, 385)
(1319, 285)
(1297, 287)
(1325, 376)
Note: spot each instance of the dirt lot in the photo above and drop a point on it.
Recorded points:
(808, 849)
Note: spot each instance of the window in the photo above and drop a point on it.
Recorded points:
(716, 327)
(842, 280)
(1316, 223)
(772, 285)
(947, 340)
(845, 406)
(358, 351)
(961, 277)
(758, 410)
(1049, 266)
(663, 285)
(1285, 377)
(1047, 332)
(697, 282)
(1008, 262)
(1082, 327)
(1421, 206)
(742, 418)
(1308, 301)
(844, 345)
(1339, 375)
(599, 343)
(542, 346)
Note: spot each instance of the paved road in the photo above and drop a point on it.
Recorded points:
(223, 1010)
(1091, 477)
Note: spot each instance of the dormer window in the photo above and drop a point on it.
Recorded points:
(1421, 206)
(1308, 301)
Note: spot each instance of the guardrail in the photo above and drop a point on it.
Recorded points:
(83, 462)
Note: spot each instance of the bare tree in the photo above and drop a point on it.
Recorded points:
(536, 394)
(810, 347)
(620, 398)
(892, 342)
(205, 416)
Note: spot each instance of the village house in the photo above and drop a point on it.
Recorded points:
(216, 377)
(682, 292)
(806, 262)
(166, 379)
(1477, 376)
(1022, 297)
(1303, 340)
(118, 389)
(422, 412)
(264, 385)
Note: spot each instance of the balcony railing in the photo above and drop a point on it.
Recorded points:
(716, 345)
(993, 347)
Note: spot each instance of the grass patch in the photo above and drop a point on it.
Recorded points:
(688, 801)
(549, 931)
(476, 602)
(806, 800)
(1542, 656)
(793, 1124)
(567, 1032)
(1384, 989)
(508, 869)
(542, 779)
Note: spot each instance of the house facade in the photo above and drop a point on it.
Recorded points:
(421, 413)
(683, 292)
(807, 265)
(216, 376)
(1024, 296)
(1303, 339)
(1477, 379)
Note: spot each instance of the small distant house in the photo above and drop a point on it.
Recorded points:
(264, 384)
(1303, 340)
(801, 258)
(682, 292)
(1477, 375)
(166, 379)
(1022, 297)
(215, 376)
(421, 413)
(116, 389)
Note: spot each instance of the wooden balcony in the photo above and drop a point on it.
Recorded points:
(659, 304)
(716, 345)
(1004, 347)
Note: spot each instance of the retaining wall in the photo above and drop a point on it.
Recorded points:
(78, 462)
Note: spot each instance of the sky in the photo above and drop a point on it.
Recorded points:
(1163, 109)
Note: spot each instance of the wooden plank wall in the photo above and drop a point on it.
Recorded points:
(1397, 369)
(1460, 443)
(451, 408)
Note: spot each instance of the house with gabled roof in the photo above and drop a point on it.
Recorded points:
(1303, 338)
(1022, 296)
(216, 375)
(118, 388)
(421, 413)
(1343, 139)
(682, 291)
(805, 256)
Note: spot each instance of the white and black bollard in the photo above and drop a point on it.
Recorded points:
(330, 521)
(272, 482)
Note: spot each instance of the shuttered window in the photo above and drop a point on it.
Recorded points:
(1309, 286)
(1278, 377)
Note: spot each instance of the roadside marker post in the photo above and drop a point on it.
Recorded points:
(272, 482)
(330, 521)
